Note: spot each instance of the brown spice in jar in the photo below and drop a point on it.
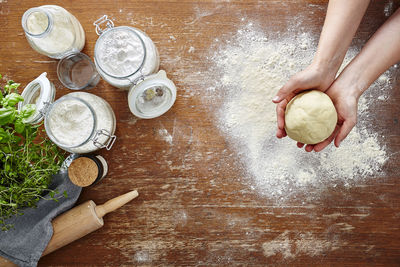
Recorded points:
(83, 171)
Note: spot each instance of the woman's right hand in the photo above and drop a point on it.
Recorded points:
(313, 77)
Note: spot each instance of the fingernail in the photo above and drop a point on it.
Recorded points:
(275, 99)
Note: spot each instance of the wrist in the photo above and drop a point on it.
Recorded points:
(329, 67)
(352, 81)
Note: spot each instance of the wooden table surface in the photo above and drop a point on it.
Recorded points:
(193, 208)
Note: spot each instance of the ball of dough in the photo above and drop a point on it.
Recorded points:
(310, 117)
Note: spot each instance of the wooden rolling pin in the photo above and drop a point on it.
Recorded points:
(79, 221)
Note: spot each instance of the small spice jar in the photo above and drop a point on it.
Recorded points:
(123, 55)
(78, 122)
(86, 170)
(53, 31)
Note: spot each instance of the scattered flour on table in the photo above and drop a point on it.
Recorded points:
(301, 244)
(249, 68)
(142, 257)
(388, 9)
(191, 49)
(164, 135)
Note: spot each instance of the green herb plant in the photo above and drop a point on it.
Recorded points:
(28, 159)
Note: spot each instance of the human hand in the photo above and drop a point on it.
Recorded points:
(345, 100)
(313, 77)
(358, 75)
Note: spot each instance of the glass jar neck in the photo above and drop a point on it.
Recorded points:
(37, 22)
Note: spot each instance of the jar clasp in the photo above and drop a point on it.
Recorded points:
(45, 109)
(137, 80)
(110, 142)
(102, 20)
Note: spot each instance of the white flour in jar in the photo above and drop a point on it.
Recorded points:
(71, 122)
(105, 120)
(64, 32)
(37, 23)
(121, 53)
(59, 39)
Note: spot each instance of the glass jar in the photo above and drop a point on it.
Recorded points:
(53, 31)
(78, 122)
(123, 55)
(77, 72)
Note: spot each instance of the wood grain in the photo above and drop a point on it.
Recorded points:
(194, 208)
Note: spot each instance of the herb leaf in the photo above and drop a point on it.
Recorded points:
(11, 99)
(7, 115)
(27, 111)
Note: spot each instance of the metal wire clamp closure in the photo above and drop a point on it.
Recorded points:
(102, 20)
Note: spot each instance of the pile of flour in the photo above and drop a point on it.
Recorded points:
(250, 68)
(71, 122)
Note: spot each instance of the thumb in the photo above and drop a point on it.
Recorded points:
(345, 130)
(286, 90)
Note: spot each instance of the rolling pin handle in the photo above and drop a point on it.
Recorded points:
(115, 203)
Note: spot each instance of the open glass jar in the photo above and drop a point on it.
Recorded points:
(53, 31)
(78, 122)
(127, 58)
(123, 55)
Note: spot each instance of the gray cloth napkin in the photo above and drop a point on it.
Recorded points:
(25, 243)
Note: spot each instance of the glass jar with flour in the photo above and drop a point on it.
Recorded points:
(78, 122)
(53, 31)
(127, 58)
(123, 54)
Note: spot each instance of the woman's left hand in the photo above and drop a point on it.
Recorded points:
(345, 101)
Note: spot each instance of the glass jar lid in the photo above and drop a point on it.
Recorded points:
(39, 92)
(70, 122)
(120, 52)
(152, 97)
